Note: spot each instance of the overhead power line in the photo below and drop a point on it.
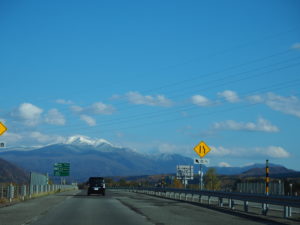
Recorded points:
(146, 116)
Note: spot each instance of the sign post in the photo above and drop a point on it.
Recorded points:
(201, 149)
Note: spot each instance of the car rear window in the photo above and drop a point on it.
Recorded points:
(96, 180)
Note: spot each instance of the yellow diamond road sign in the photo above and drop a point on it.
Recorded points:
(202, 149)
(2, 128)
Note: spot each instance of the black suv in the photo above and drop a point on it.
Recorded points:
(96, 185)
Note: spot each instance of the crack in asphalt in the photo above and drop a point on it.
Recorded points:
(43, 213)
(138, 211)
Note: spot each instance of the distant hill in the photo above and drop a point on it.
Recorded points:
(274, 171)
(11, 173)
(258, 168)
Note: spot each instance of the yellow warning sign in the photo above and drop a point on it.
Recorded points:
(202, 149)
(2, 128)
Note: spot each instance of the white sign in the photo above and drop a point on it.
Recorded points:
(185, 172)
(201, 161)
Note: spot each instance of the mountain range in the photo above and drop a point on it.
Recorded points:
(93, 158)
(90, 157)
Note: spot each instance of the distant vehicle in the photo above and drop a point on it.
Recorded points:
(96, 185)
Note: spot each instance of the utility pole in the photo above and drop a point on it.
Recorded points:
(267, 177)
(201, 178)
(265, 205)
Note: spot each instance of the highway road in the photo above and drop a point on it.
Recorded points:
(120, 207)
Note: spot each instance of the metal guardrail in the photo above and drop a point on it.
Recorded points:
(287, 202)
(22, 192)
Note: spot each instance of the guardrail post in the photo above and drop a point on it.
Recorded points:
(246, 204)
(200, 198)
(2, 192)
(30, 190)
(220, 202)
(231, 203)
(290, 211)
(10, 192)
(285, 211)
(264, 209)
(23, 192)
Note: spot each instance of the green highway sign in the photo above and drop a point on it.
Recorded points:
(61, 169)
(62, 164)
(61, 174)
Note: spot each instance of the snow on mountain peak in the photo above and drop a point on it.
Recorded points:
(84, 140)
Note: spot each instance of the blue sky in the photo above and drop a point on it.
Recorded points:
(156, 76)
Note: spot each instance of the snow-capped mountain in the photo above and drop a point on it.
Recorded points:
(93, 157)
(84, 140)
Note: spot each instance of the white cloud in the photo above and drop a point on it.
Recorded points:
(30, 139)
(89, 120)
(261, 125)
(55, 117)
(288, 105)
(138, 99)
(255, 99)
(9, 137)
(224, 164)
(296, 46)
(44, 138)
(257, 152)
(98, 108)
(221, 151)
(28, 114)
(274, 152)
(229, 96)
(155, 147)
(200, 100)
(76, 108)
(64, 102)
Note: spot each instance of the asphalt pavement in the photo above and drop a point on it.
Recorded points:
(119, 207)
